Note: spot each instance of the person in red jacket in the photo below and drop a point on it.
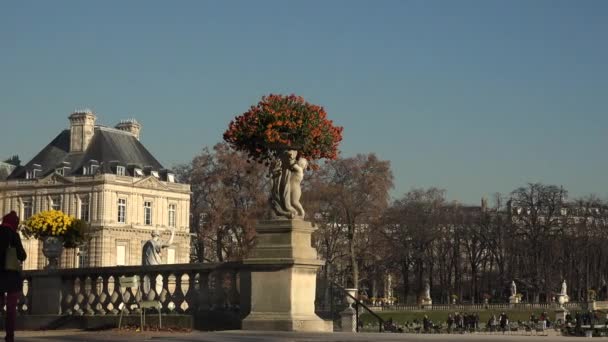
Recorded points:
(11, 282)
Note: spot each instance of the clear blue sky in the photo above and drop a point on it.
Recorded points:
(476, 97)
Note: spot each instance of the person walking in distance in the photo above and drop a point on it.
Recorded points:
(11, 281)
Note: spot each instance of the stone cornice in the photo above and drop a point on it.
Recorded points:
(136, 229)
(55, 181)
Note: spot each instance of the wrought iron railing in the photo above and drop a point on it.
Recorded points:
(332, 300)
(478, 307)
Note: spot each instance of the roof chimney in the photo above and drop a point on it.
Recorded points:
(82, 125)
(484, 204)
(131, 126)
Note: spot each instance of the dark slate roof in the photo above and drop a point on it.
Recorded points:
(109, 147)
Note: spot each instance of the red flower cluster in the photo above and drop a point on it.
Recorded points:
(279, 122)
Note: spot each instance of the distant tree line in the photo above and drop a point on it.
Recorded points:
(535, 235)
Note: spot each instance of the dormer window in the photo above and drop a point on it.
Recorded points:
(91, 168)
(155, 174)
(120, 170)
(170, 178)
(64, 169)
(34, 172)
(138, 172)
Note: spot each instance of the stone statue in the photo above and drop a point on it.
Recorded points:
(427, 291)
(513, 289)
(152, 250)
(297, 175)
(287, 172)
(564, 291)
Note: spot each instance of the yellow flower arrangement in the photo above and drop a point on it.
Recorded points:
(55, 223)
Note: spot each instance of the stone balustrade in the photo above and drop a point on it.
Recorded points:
(180, 288)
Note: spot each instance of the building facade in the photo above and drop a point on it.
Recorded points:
(106, 177)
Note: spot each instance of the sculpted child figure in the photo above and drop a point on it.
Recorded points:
(287, 172)
(296, 189)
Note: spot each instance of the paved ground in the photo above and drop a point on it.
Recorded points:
(250, 336)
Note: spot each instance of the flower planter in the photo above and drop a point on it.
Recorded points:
(52, 248)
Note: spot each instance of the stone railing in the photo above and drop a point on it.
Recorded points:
(180, 289)
(478, 307)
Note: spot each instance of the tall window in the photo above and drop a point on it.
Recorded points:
(170, 256)
(172, 215)
(120, 170)
(27, 209)
(148, 213)
(122, 210)
(83, 258)
(84, 208)
(121, 253)
(56, 203)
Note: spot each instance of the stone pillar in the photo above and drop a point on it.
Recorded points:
(560, 315)
(349, 320)
(284, 299)
(46, 293)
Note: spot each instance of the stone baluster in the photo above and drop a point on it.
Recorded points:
(113, 293)
(103, 295)
(68, 295)
(165, 293)
(79, 295)
(89, 292)
(178, 295)
(26, 297)
(191, 295)
(126, 294)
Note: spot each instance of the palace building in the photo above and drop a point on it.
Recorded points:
(105, 176)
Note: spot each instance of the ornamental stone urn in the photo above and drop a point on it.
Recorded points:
(349, 315)
(353, 293)
(52, 248)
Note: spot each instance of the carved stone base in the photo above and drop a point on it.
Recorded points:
(514, 300)
(560, 315)
(426, 302)
(349, 320)
(283, 300)
(285, 322)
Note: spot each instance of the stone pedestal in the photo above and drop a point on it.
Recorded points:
(560, 315)
(514, 300)
(348, 319)
(284, 300)
(46, 294)
(426, 302)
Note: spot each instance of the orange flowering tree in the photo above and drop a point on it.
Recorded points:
(280, 122)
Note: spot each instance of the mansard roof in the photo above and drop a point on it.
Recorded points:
(109, 147)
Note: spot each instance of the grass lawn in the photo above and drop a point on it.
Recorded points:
(400, 317)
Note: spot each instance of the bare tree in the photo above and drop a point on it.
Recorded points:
(357, 190)
(537, 221)
(228, 196)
